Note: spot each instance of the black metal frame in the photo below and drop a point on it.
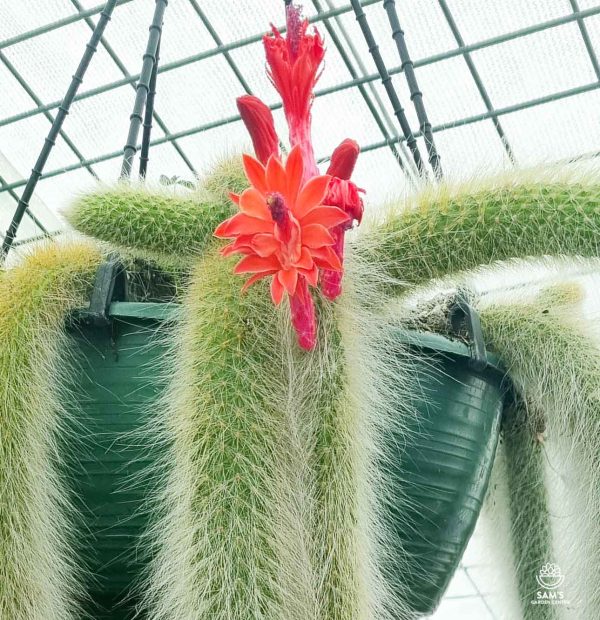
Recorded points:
(143, 88)
(148, 115)
(406, 64)
(55, 129)
(386, 80)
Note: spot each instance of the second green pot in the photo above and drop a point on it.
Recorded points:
(438, 469)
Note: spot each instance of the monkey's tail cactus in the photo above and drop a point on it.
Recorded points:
(232, 530)
(448, 230)
(39, 577)
(552, 468)
(352, 392)
(269, 508)
(158, 225)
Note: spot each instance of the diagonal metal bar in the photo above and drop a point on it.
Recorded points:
(586, 38)
(30, 214)
(217, 39)
(386, 80)
(16, 250)
(479, 593)
(123, 69)
(389, 123)
(143, 87)
(177, 64)
(13, 70)
(61, 23)
(477, 79)
(50, 235)
(370, 147)
(50, 140)
(468, 120)
(415, 93)
(363, 91)
(148, 114)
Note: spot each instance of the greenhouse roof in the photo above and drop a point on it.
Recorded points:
(503, 81)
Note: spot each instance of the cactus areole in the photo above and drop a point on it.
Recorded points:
(292, 220)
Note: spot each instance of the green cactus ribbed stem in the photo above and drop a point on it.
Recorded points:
(338, 478)
(352, 385)
(232, 532)
(531, 535)
(269, 508)
(548, 347)
(448, 231)
(39, 575)
(168, 229)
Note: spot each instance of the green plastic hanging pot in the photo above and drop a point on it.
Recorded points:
(119, 368)
(441, 471)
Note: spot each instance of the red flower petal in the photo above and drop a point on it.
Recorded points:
(257, 276)
(277, 291)
(255, 173)
(311, 195)
(260, 125)
(289, 280)
(311, 275)
(257, 264)
(242, 224)
(235, 198)
(326, 216)
(326, 258)
(254, 204)
(316, 236)
(305, 261)
(230, 249)
(344, 159)
(294, 169)
(276, 178)
(346, 196)
(240, 245)
(294, 68)
(222, 230)
(264, 244)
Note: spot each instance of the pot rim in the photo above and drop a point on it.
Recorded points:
(426, 341)
(438, 344)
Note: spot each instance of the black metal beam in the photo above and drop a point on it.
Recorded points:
(142, 88)
(415, 92)
(148, 114)
(386, 80)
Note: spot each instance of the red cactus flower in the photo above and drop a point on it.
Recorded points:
(283, 231)
(260, 125)
(294, 64)
(292, 221)
(344, 194)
